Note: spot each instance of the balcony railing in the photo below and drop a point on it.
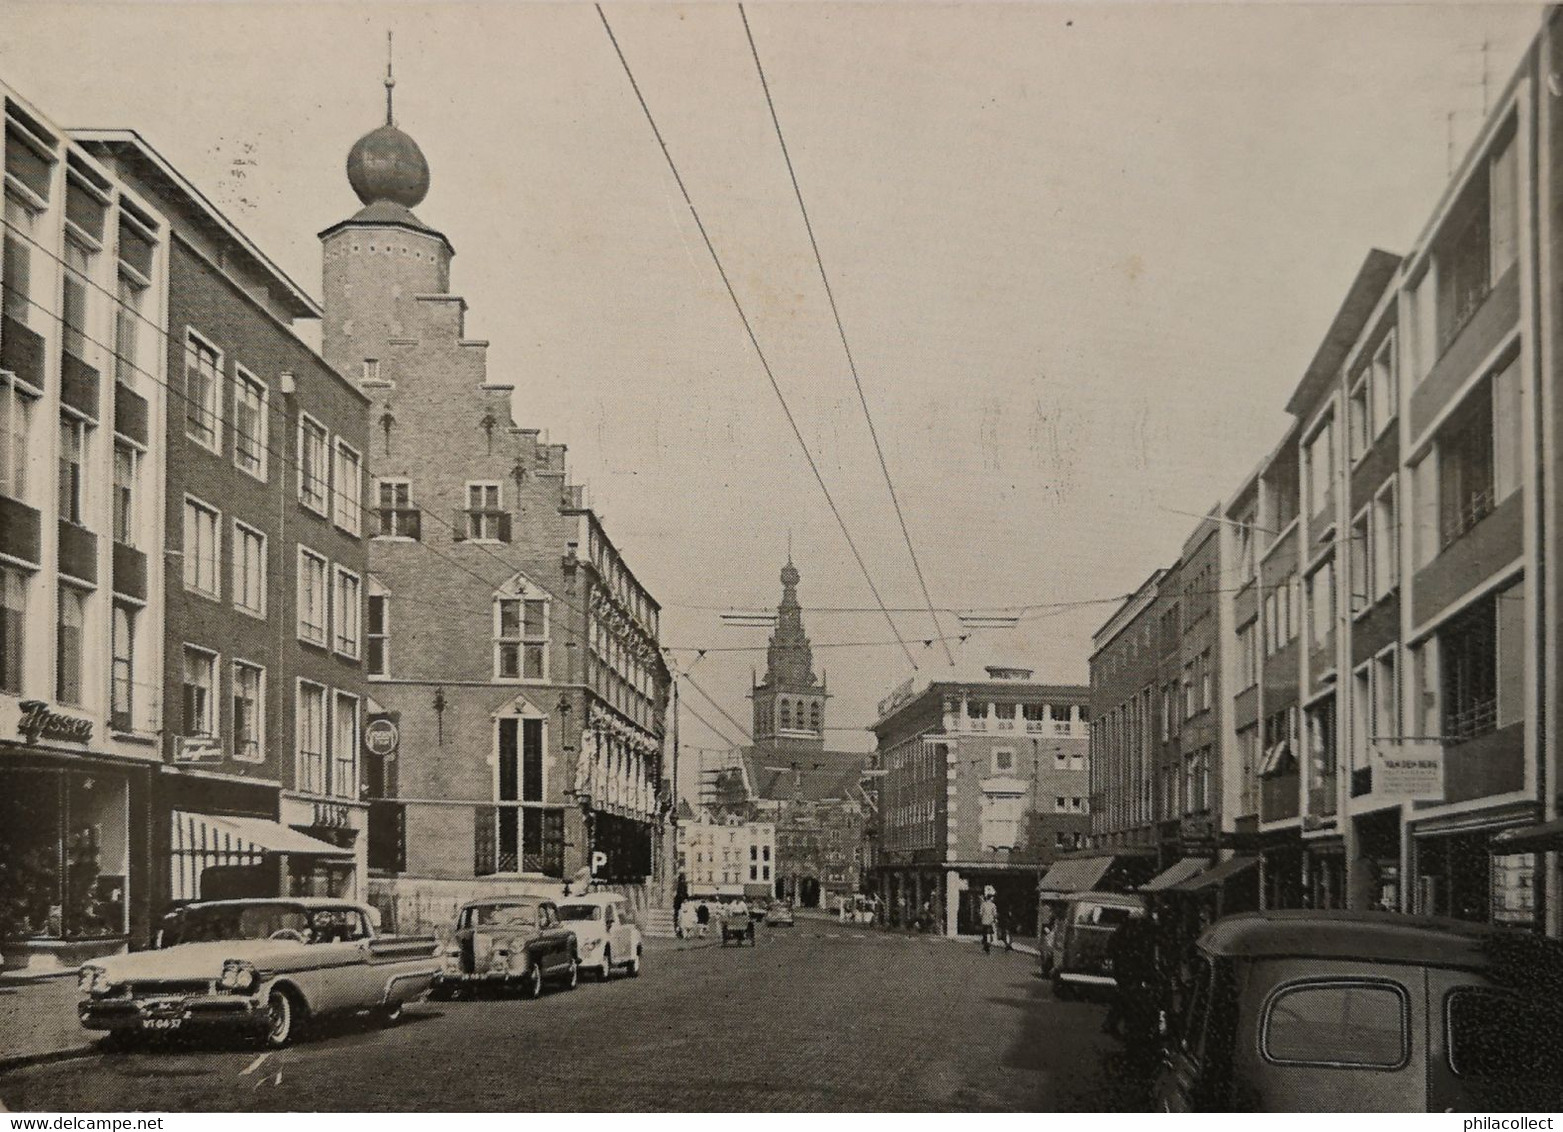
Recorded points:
(1478, 719)
(1471, 510)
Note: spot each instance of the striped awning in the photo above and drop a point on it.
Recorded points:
(246, 836)
(1177, 873)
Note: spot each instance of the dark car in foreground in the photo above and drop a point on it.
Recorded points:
(1367, 1012)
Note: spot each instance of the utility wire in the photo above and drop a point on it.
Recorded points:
(742, 730)
(841, 329)
(753, 340)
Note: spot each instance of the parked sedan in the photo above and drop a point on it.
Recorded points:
(262, 967)
(605, 934)
(1368, 1012)
(780, 914)
(506, 942)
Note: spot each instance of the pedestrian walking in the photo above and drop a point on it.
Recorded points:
(680, 898)
(988, 916)
(702, 918)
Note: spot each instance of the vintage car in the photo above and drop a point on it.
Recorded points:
(1367, 1012)
(606, 937)
(508, 942)
(263, 966)
(780, 914)
(1078, 959)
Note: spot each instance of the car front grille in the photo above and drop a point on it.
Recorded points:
(153, 988)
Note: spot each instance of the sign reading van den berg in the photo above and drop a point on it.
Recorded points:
(1410, 772)
(38, 722)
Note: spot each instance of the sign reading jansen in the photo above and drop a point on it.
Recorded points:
(1411, 772)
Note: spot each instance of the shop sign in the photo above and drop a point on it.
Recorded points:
(329, 815)
(39, 722)
(382, 736)
(1409, 772)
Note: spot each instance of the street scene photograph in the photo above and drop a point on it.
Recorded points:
(922, 557)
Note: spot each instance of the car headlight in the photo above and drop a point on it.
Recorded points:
(591, 945)
(239, 976)
(92, 979)
(451, 957)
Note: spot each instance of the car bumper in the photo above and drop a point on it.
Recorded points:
(477, 978)
(173, 1015)
(1087, 980)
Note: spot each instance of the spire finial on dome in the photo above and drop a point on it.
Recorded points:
(390, 80)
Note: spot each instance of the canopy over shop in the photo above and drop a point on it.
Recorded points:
(220, 857)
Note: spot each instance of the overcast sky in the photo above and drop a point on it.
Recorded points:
(1082, 255)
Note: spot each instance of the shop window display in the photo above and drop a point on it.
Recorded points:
(63, 855)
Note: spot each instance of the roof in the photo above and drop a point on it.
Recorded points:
(388, 214)
(157, 168)
(518, 899)
(1079, 874)
(1176, 873)
(810, 776)
(1381, 937)
(1373, 277)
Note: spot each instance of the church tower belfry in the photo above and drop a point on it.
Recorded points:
(789, 700)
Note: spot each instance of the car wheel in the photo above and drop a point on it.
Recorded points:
(633, 970)
(442, 994)
(607, 964)
(282, 1018)
(119, 1041)
(389, 1014)
(534, 982)
(1062, 990)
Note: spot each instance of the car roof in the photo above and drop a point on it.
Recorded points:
(1381, 937)
(506, 901)
(313, 903)
(594, 898)
(1114, 899)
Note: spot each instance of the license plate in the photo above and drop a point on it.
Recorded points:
(161, 1023)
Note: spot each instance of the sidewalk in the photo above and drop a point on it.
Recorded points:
(38, 1020)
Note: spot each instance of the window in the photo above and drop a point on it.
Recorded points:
(73, 302)
(312, 615)
(345, 600)
(1468, 661)
(344, 747)
(521, 641)
(349, 488)
(311, 753)
(1386, 386)
(1247, 660)
(1319, 458)
(1003, 760)
(1321, 604)
(1337, 1023)
(249, 425)
(1508, 433)
(200, 692)
(122, 674)
(201, 547)
(249, 712)
(1360, 415)
(68, 655)
(314, 464)
(127, 328)
(371, 369)
(126, 465)
(1244, 533)
(1465, 469)
(18, 257)
(249, 569)
(1205, 698)
(16, 415)
(73, 447)
(377, 635)
(1504, 1038)
(13, 619)
(1361, 557)
(814, 716)
(1386, 697)
(485, 521)
(1320, 723)
(1384, 543)
(1188, 690)
(398, 517)
(203, 372)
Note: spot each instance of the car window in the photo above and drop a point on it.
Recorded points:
(251, 921)
(1497, 1035)
(1339, 1023)
(337, 925)
(1102, 915)
(501, 915)
(579, 912)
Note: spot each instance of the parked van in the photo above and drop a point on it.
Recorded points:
(1367, 1012)
(1077, 958)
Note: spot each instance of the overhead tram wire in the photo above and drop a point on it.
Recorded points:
(753, 339)
(742, 730)
(841, 329)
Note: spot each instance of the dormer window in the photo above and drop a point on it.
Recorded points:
(371, 369)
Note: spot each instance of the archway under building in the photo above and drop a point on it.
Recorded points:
(808, 892)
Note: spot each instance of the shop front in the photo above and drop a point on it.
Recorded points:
(1482, 870)
(1282, 863)
(72, 857)
(343, 826)
(1326, 873)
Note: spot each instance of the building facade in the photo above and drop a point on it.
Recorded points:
(513, 656)
(1387, 642)
(727, 854)
(83, 295)
(981, 783)
(260, 791)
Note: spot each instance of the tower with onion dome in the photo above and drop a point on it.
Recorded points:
(789, 700)
(378, 260)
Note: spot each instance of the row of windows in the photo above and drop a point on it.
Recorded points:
(520, 624)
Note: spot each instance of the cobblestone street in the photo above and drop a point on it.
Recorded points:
(817, 1017)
